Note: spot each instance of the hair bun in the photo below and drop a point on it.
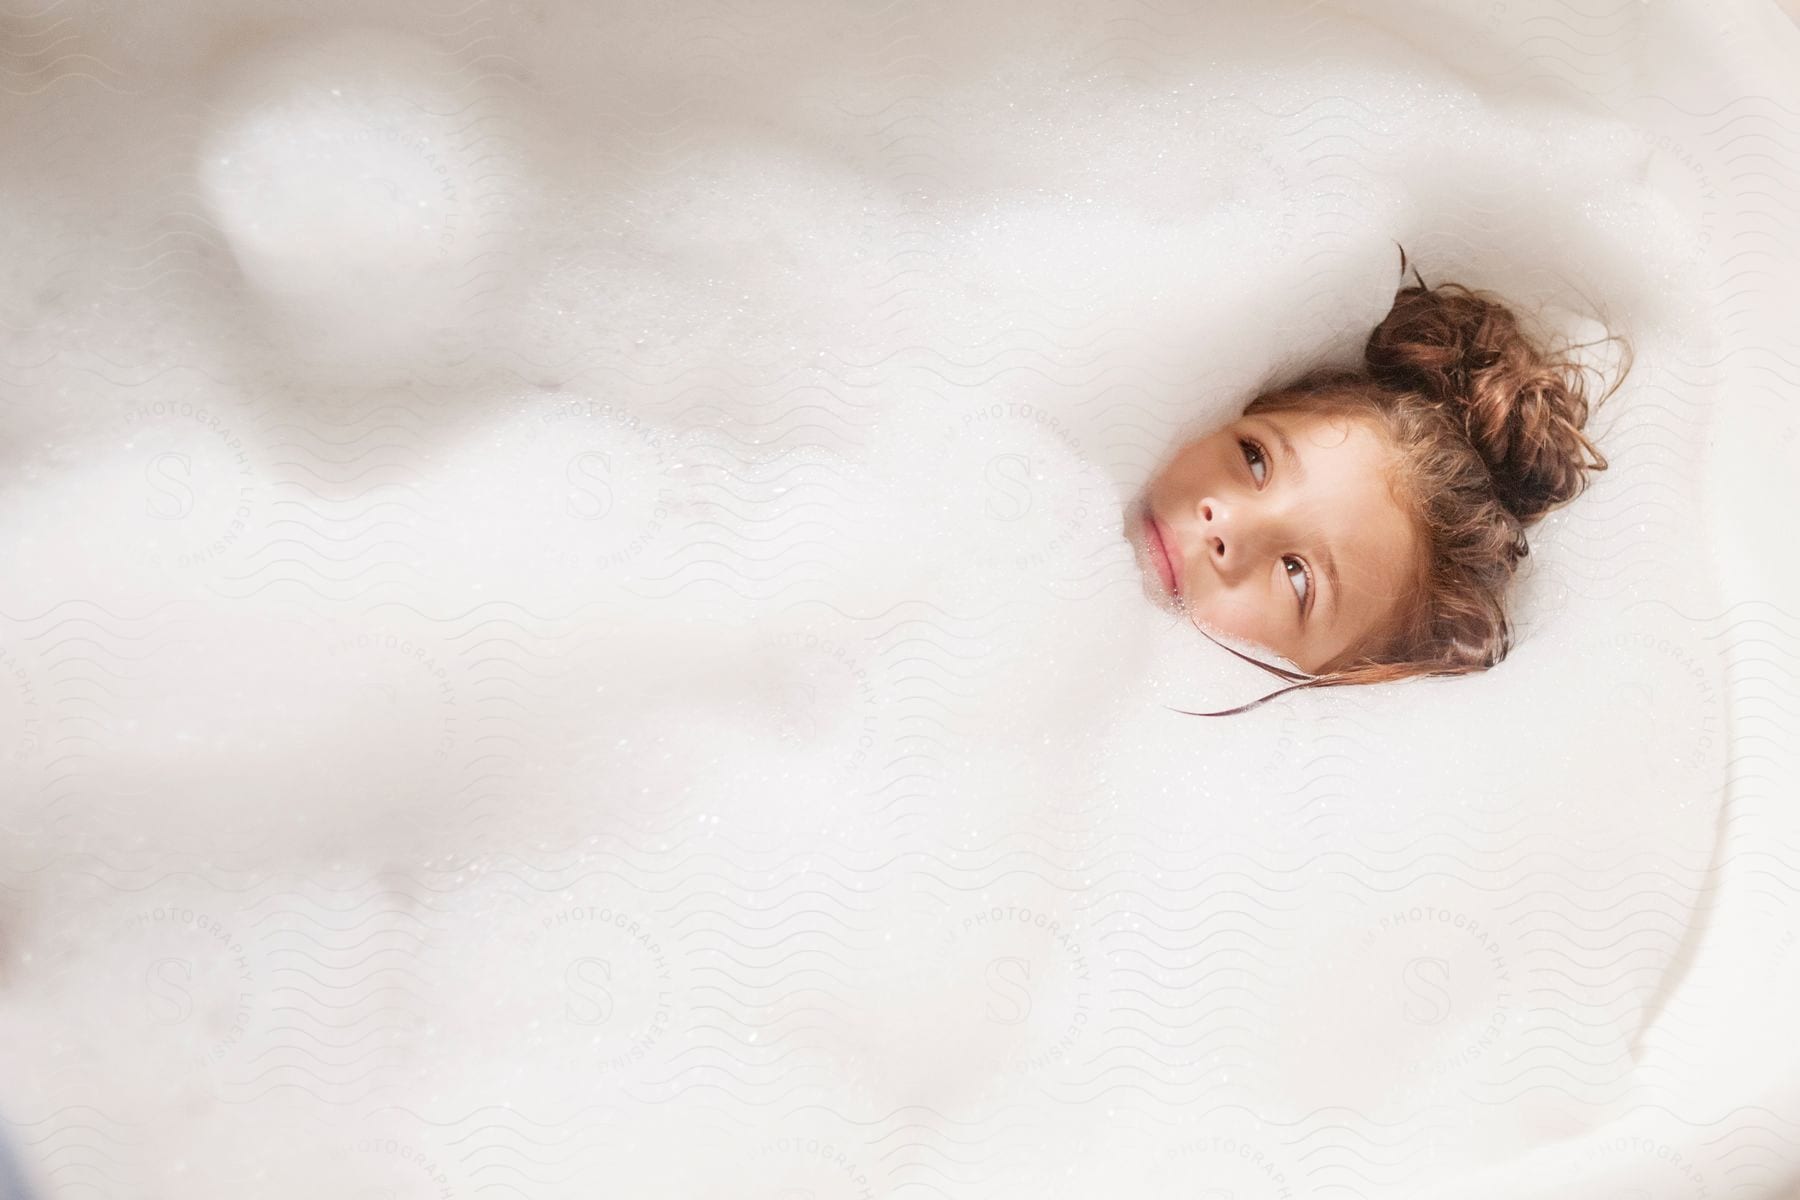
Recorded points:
(1522, 409)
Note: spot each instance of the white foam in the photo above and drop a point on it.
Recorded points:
(671, 466)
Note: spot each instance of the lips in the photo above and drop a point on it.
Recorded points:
(1157, 540)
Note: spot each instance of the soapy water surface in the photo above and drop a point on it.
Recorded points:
(568, 625)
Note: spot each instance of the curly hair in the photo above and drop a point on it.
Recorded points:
(1486, 428)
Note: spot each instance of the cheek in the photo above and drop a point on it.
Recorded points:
(1189, 472)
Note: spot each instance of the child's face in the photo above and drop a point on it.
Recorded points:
(1253, 528)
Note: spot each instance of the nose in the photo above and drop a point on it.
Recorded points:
(1223, 533)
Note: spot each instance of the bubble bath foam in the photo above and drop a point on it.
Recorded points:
(568, 627)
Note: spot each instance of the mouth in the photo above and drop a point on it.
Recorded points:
(1156, 539)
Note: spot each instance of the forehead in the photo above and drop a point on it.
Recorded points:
(1347, 501)
(1340, 447)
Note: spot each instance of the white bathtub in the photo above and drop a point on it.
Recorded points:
(567, 631)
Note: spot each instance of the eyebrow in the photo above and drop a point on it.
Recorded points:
(1326, 559)
(1331, 573)
(1293, 455)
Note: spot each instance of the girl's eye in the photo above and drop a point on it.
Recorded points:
(1253, 454)
(1301, 580)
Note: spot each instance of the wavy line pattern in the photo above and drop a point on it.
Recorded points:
(569, 629)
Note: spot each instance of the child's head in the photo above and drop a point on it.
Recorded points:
(1365, 524)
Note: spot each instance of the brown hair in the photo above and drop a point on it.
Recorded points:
(1486, 427)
